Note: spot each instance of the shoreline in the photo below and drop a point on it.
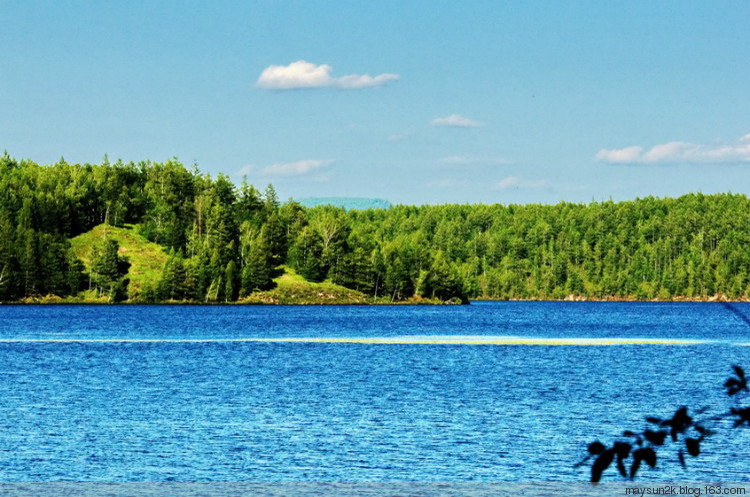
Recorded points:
(718, 298)
(413, 301)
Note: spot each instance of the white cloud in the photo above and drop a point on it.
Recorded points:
(456, 120)
(680, 152)
(298, 74)
(302, 74)
(297, 168)
(355, 81)
(630, 154)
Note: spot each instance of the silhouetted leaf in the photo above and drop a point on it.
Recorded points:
(651, 419)
(743, 416)
(621, 466)
(637, 458)
(602, 462)
(681, 420)
(623, 451)
(736, 385)
(646, 454)
(655, 437)
(733, 386)
(596, 448)
(739, 371)
(681, 457)
(693, 446)
(635, 466)
(623, 448)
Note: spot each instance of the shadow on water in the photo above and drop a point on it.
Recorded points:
(736, 312)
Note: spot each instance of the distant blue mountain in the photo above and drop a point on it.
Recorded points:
(356, 203)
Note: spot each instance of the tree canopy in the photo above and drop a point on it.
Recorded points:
(226, 241)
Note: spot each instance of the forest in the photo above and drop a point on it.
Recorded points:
(226, 241)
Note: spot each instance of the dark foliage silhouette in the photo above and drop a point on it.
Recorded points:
(683, 432)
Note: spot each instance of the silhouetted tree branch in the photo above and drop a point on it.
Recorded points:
(683, 431)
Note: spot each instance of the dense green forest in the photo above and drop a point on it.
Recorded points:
(226, 241)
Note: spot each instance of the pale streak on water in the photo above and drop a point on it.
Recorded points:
(411, 339)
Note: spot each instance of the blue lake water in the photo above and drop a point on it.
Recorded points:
(197, 403)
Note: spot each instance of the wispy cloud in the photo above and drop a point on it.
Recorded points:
(679, 152)
(297, 168)
(302, 74)
(456, 120)
(518, 182)
(508, 182)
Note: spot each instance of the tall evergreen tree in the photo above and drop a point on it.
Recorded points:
(105, 270)
(257, 273)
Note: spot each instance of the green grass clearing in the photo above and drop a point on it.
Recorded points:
(146, 258)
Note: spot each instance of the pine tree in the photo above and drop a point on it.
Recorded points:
(105, 269)
(74, 276)
(257, 272)
(28, 260)
(276, 239)
(9, 270)
(231, 286)
(166, 289)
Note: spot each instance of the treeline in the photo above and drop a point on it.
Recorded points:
(226, 241)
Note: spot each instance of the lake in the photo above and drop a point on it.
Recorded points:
(494, 391)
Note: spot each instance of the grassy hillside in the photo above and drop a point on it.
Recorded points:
(146, 258)
(147, 261)
(291, 288)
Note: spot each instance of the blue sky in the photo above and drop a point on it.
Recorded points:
(415, 102)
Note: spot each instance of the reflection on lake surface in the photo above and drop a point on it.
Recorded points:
(487, 392)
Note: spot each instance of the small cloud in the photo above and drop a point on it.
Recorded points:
(679, 152)
(298, 74)
(468, 160)
(302, 74)
(456, 120)
(355, 82)
(297, 168)
(624, 155)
